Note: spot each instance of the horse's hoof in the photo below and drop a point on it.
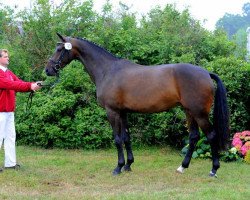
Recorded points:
(211, 174)
(116, 172)
(127, 168)
(180, 170)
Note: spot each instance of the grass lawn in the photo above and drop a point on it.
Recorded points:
(78, 174)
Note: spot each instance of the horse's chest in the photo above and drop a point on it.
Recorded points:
(100, 99)
(102, 96)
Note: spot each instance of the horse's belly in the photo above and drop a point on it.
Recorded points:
(151, 105)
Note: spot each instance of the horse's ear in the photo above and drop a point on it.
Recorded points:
(61, 37)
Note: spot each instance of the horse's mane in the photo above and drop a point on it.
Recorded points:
(98, 47)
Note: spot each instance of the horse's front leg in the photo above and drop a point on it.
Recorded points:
(127, 142)
(115, 121)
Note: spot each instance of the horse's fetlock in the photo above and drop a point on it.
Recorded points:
(216, 165)
(121, 164)
(130, 160)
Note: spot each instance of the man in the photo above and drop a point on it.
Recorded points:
(9, 85)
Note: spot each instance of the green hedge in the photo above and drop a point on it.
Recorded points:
(235, 75)
(67, 115)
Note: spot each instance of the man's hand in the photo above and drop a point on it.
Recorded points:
(36, 86)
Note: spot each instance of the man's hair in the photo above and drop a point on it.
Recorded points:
(3, 50)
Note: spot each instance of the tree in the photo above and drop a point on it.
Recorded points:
(232, 23)
(246, 10)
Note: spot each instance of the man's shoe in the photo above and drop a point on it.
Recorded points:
(15, 167)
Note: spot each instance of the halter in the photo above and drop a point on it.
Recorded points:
(57, 64)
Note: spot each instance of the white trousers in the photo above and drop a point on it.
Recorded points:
(8, 135)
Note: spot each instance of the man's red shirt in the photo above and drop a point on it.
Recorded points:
(9, 85)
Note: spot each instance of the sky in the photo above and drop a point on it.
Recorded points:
(207, 11)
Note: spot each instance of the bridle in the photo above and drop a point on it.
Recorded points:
(57, 64)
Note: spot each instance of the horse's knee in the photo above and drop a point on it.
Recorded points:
(126, 136)
(118, 141)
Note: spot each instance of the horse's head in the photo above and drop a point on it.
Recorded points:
(63, 55)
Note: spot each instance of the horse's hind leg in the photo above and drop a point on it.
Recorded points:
(194, 136)
(212, 139)
(127, 142)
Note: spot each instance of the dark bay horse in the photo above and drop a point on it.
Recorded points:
(123, 86)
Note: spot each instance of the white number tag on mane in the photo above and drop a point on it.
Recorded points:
(68, 46)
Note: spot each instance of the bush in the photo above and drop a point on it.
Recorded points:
(65, 116)
(234, 73)
(202, 149)
(158, 128)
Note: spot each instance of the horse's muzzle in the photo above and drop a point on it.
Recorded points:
(49, 72)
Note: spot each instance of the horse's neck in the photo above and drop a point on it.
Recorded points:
(96, 62)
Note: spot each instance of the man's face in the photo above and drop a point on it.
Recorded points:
(4, 59)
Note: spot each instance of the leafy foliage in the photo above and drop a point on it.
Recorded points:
(67, 115)
(234, 74)
(202, 149)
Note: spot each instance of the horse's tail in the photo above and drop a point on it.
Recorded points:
(221, 114)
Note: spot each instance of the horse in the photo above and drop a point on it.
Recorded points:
(123, 86)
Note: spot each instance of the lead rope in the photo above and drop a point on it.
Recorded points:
(32, 93)
(29, 101)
